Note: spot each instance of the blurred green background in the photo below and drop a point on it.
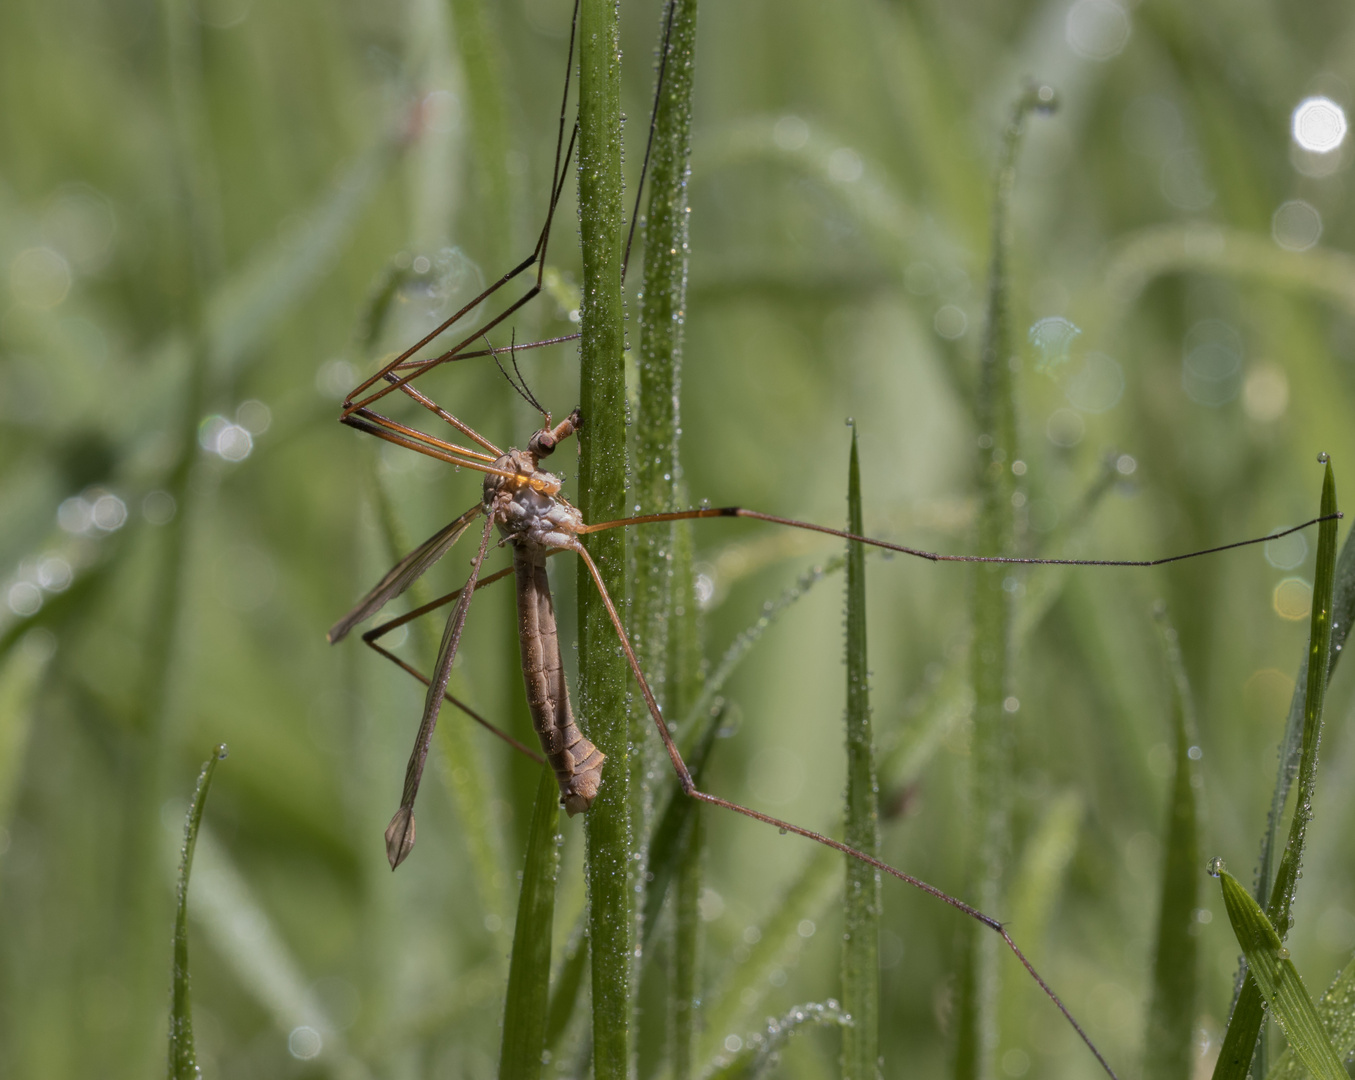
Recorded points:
(199, 202)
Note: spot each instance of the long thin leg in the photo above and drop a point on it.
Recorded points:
(377, 632)
(560, 170)
(521, 748)
(400, 832)
(689, 788)
(932, 556)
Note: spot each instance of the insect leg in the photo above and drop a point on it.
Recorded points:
(689, 788)
(400, 832)
(372, 636)
(933, 556)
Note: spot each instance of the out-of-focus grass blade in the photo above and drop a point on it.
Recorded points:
(525, 1008)
(20, 676)
(861, 902)
(1171, 249)
(1244, 1027)
(565, 996)
(1278, 979)
(244, 935)
(669, 843)
(758, 1053)
(1036, 887)
(243, 308)
(183, 1064)
(1336, 1010)
(990, 651)
(1168, 1050)
(739, 648)
(879, 207)
(687, 944)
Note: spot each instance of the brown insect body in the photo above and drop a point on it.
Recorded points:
(524, 502)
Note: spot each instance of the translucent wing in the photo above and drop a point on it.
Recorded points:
(405, 573)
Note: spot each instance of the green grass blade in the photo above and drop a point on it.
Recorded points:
(21, 674)
(1338, 1019)
(525, 1008)
(1279, 982)
(478, 50)
(183, 1063)
(861, 920)
(976, 1029)
(602, 487)
(668, 846)
(739, 648)
(1291, 744)
(1037, 887)
(740, 990)
(663, 306)
(658, 475)
(564, 996)
(1168, 1049)
(1244, 1027)
(686, 992)
(759, 1053)
(245, 306)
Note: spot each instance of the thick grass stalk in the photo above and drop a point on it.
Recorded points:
(183, 1063)
(1169, 1051)
(1244, 1027)
(861, 903)
(602, 488)
(663, 300)
(991, 650)
(525, 1008)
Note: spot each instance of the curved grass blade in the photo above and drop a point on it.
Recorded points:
(525, 1008)
(759, 1054)
(183, 1063)
(1168, 1049)
(1279, 982)
(1244, 1027)
(779, 937)
(861, 903)
(602, 490)
(1338, 1019)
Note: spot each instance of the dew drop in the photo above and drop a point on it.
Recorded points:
(1323, 458)
(1215, 866)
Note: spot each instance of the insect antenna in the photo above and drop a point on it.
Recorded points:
(520, 385)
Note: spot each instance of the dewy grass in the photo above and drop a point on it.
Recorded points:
(861, 902)
(602, 487)
(183, 1063)
(991, 649)
(1244, 1026)
(526, 1002)
(1169, 1039)
(1274, 973)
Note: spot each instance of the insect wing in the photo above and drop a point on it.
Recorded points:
(405, 573)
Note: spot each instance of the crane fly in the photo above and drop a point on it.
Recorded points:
(535, 521)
